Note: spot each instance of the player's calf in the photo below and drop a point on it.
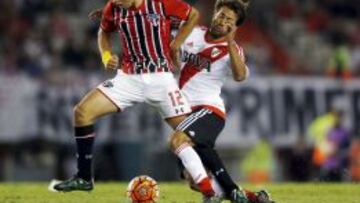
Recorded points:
(181, 146)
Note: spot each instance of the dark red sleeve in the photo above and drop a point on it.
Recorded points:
(177, 8)
(107, 21)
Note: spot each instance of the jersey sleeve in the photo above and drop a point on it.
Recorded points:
(107, 21)
(177, 8)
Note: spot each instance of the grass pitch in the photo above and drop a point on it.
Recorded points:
(177, 193)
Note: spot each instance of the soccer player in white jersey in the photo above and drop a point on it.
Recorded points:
(143, 75)
(209, 56)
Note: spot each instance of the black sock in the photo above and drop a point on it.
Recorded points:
(84, 142)
(212, 161)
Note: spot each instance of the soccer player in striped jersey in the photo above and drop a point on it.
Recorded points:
(143, 75)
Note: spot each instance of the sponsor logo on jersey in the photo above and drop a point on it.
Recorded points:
(151, 65)
(196, 60)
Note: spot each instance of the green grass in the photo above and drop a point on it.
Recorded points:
(177, 193)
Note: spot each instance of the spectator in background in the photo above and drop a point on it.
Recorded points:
(299, 161)
(316, 18)
(286, 9)
(336, 160)
(258, 163)
(355, 50)
(318, 130)
(339, 62)
(355, 160)
(331, 143)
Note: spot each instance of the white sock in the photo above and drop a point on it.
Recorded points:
(216, 187)
(192, 162)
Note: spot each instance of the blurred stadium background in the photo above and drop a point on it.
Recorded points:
(295, 119)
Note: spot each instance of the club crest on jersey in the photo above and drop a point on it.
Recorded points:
(154, 19)
(215, 52)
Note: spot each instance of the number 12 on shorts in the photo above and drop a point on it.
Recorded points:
(177, 101)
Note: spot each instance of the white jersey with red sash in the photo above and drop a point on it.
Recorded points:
(205, 67)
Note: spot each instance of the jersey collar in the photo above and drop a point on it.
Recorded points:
(211, 41)
(133, 8)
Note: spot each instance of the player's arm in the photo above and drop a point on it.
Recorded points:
(110, 60)
(182, 34)
(186, 28)
(107, 27)
(184, 12)
(238, 67)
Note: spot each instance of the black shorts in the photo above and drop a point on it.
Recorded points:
(203, 126)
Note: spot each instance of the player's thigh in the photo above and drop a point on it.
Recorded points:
(94, 105)
(202, 127)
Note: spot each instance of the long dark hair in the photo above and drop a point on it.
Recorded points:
(238, 6)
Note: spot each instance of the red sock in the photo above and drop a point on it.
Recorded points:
(251, 196)
(205, 187)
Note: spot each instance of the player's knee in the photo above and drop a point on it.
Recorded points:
(81, 115)
(177, 139)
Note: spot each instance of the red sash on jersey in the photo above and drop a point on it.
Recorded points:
(190, 70)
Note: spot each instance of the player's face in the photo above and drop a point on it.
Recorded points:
(223, 22)
(123, 3)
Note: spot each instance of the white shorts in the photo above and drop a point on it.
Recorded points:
(160, 90)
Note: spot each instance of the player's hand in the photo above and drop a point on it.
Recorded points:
(95, 14)
(175, 54)
(110, 61)
(113, 63)
(230, 37)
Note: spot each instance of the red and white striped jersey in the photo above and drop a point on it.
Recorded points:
(205, 67)
(145, 33)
